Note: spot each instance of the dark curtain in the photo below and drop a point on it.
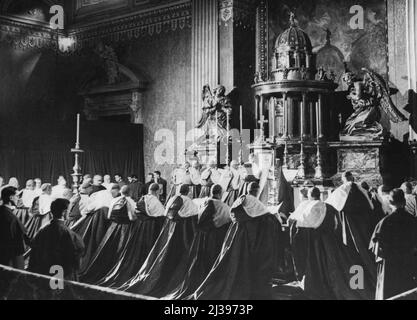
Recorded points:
(44, 151)
(48, 165)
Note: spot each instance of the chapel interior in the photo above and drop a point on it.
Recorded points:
(134, 71)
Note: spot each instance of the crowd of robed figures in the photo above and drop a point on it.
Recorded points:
(214, 238)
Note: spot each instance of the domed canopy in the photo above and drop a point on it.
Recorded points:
(294, 38)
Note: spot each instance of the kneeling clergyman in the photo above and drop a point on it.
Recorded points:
(122, 216)
(394, 244)
(213, 223)
(145, 230)
(320, 257)
(57, 245)
(164, 267)
(245, 266)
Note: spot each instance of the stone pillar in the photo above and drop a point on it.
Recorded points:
(237, 49)
(205, 51)
(285, 104)
(303, 118)
(319, 118)
(411, 24)
(290, 117)
(272, 120)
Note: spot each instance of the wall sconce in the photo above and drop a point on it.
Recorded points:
(66, 44)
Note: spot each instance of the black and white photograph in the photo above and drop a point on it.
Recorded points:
(216, 153)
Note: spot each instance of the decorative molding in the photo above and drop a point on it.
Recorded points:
(22, 35)
(262, 37)
(238, 12)
(136, 26)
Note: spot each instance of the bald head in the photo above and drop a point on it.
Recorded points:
(115, 190)
(97, 180)
(30, 184)
(407, 188)
(314, 194)
(216, 191)
(212, 163)
(397, 198)
(234, 164)
(347, 177)
(125, 191)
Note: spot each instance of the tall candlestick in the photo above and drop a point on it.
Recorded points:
(241, 119)
(217, 126)
(77, 143)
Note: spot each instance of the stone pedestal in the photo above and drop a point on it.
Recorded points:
(366, 160)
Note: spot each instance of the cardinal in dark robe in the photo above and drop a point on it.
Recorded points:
(230, 182)
(165, 265)
(150, 214)
(57, 245)
(93, 226)
(209, 177)
(122, 216)
(245, 266)
(394, 244)
(25, 201)
(40, 211)
(78, 205)
(213, 223)
(320, 256)
(177, 179)
(195, 177)
(356, 215)
(248, 178)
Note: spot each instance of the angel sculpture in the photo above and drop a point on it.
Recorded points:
(217, 109)
(369, 97)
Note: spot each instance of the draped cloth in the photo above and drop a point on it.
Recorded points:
(23, 214)
(309, 214)
(92, 229)
(213, 223)
(245, 266)
(167, 259)
(40, 215)
(121, 214)
(142, 236)
(77, 209)
(243, 190)
(394, 244)
(357, 221)
(231, 190)
(321, 258)
(27, 197)
(206, 182)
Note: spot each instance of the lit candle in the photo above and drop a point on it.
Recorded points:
(78, 130)
(241, 119)
(217, 126)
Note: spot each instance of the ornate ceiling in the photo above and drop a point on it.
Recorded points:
(32, 11)
(78, 11)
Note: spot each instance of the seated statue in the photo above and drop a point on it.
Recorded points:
(369, 98)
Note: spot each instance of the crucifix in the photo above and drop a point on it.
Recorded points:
(262, 121)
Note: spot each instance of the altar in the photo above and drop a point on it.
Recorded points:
(305, 127)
